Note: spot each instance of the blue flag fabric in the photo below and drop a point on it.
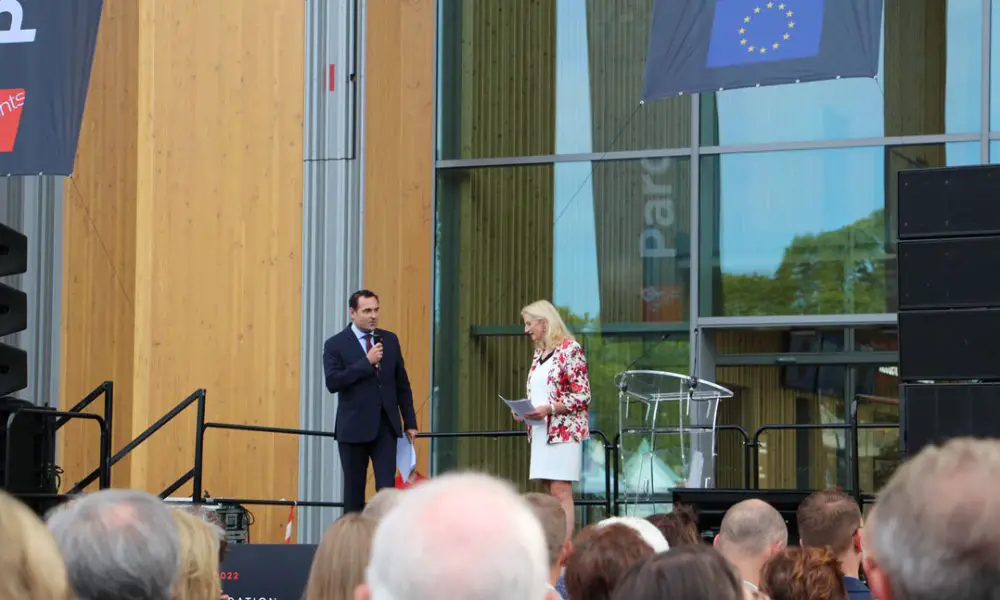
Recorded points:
(46, 54)
(713, 45)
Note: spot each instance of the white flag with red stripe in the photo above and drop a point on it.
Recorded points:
(291, 524)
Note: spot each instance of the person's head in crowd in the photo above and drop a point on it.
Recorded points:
(382, 502)
(31, 566)
(118, 545)
(751, 531)
(679, 527)
(198, 578)
(552, 517)
(832, 519)
(601, 554)
(797, 573)
(690, 571)
(935, 529)
(646, 530)
(338, 566)
(461, 536)
(211, 518)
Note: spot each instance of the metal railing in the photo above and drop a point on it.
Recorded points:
(613, 498)
(198, 396)
(200, 458)
(751, 445)
(103, 472)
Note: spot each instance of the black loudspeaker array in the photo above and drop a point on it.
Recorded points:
(27, 440)
(949, 304)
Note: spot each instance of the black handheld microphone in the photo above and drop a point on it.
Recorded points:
(376, 340)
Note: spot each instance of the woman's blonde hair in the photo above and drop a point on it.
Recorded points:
(198, 577)
(341, 559)
(555, 330)
(31, 565)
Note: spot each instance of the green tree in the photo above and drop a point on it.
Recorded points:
(842, 271)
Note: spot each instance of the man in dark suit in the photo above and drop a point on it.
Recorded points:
(364, 365)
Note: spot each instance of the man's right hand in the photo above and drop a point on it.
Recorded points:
(375, 354)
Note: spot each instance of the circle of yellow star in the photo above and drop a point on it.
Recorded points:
(744, 30)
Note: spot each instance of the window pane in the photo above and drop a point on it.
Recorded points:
(530, 77)
(929, 83)
(806, 232)
(608, 241)
(995, 152)
(879, 453)
(773, 341)
(771, 396)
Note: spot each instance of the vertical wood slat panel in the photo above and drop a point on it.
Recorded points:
(398, 180)
(505, 214)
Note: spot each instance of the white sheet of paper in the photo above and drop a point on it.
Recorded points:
(406, 457)
(521, 408)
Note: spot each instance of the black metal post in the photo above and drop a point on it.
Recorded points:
(755, 463)
(199, 439)
(109, 409)
(616, 458)
(855, 454)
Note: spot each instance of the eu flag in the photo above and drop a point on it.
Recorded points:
(711, 45)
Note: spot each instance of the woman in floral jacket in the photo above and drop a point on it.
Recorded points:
(559, 389)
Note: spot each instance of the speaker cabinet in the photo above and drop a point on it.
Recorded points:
(27, 449)
(951, 201)
(949, 273)
(933, 413)
(949, 344)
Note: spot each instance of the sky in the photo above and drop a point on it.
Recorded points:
(762, 193)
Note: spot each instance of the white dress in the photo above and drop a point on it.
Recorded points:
(553, 462)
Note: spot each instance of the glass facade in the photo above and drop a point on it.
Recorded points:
(748, 234)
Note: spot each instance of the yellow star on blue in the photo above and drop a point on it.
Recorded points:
(744, 31)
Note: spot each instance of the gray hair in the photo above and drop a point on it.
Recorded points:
(935, 528)
(382, 502)
(750, 527)
(118, 545)
(459, 536)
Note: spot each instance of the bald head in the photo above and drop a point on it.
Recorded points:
(751, 527)
(460, 536)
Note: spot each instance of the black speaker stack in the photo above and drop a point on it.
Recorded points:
(949, 304)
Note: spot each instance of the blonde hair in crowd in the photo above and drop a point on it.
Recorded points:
(555, 330)
(31, 565)
(340, 561)
(198, 577)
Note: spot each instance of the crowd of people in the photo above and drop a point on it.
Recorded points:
(934, 532)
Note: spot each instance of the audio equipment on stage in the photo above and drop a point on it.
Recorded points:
(932, 413)
(949, 304)
(27, 453)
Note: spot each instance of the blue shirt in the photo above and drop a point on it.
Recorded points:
(361, 337)
(856, 590)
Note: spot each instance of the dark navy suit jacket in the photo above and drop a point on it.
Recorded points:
(365, 392)
(856, 590)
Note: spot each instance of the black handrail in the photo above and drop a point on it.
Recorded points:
(106, 389)
(103, 471)
(196, 396)
(199, 461)
(855, 426)
(611, 502)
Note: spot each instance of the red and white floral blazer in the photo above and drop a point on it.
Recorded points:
(569, 384)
